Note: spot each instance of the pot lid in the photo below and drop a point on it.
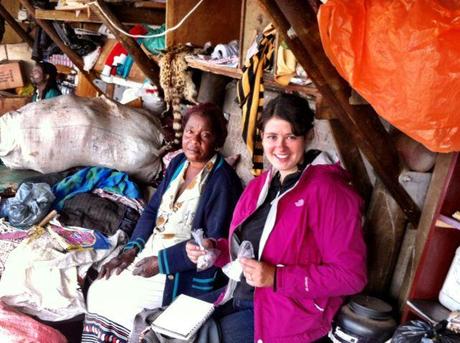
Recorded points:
(370, 307)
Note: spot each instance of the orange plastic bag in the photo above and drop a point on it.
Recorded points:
(403, 57)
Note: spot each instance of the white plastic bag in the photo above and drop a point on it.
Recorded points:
(207, 260)
(234, 270)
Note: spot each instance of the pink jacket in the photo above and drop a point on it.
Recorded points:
(317, 245)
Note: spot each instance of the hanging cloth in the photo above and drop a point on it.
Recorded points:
(250, 91)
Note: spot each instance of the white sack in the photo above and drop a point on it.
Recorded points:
(69, 131)
(41, 280)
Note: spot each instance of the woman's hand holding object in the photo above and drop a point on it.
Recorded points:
(258, 273)
(194, 251)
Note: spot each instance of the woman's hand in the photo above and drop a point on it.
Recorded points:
(147, 267)
(118, 263)
(194, 251)
(258, 274)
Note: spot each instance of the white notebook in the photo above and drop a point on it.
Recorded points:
(183, 318)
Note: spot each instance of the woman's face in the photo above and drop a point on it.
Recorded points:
(36, 75)
(283, 149)
(198, 140)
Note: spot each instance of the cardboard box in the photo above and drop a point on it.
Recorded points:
(12, 102)
(10, 75)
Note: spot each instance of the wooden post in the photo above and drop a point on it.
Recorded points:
(352, 160)
(15, 26)
(77, 60)
(363, 127)
(148, 66)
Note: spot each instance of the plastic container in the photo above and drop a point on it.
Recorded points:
(364, 319)
(450, 291)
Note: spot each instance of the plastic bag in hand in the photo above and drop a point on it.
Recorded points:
(234, 270)
(417, 331)
(207, 260)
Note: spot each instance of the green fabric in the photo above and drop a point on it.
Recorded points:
(51, 93)
(155, 44)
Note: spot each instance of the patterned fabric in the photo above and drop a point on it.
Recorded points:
(175, 216)
(250, 90)
(135, 204)
(10, 237)
(87, 179)
(100, 329)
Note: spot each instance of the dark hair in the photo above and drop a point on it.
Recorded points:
(214, 116)
(50, 70)
(294, 109)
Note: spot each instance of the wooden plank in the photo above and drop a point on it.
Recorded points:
(127, 15)
(77, 60)
(352, 159)
(385, 227)
(235, 73)
(254, 20)
(433, 196)
(150, 4)
(15, 26)
(148, 67)
(213, 68)
(214, 21)
(366, 131)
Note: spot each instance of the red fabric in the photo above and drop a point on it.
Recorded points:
(16, 327)
(402, 56)
(119, 50)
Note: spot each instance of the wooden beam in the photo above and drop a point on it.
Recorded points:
(351, 157)
(127, 15)
(77, 60)
(366, 130)
(15, 26)
(148, 66)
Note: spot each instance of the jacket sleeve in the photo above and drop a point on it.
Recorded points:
(336, 225)
(218, 206)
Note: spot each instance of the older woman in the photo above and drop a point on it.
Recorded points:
(199, 190)
(304, 222)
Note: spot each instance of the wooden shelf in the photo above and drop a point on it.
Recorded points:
(150, 4)
(213, 68)
(438, 250)
(127, 15)
(429, 310)
(235, 73)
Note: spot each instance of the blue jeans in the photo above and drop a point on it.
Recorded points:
(235, 319)
(237, 323)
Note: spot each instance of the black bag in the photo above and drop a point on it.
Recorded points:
(81, 46)
(418, 331)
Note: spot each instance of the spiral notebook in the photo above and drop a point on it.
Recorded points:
(183, 318)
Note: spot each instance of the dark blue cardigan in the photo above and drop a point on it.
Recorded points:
(213, 214)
